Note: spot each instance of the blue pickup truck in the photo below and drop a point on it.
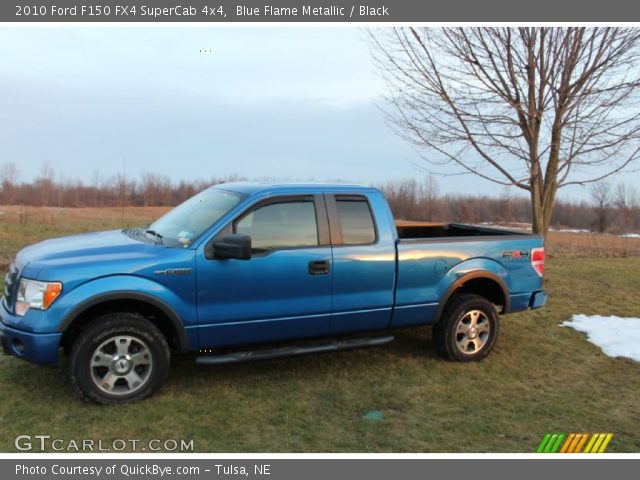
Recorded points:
(246, 271)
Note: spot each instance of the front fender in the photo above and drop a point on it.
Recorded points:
(70, 304)
(127, 287)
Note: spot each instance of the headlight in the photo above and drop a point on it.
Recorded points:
(34, 294)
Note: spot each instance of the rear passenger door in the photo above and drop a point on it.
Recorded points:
(364, 259)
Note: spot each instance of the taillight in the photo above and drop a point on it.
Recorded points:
(537, 260)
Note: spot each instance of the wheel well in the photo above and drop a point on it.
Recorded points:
(483, 286)
(152, 313)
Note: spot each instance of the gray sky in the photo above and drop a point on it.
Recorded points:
(288, 103)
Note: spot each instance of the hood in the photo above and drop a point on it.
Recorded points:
(79, 258)
(109, 243)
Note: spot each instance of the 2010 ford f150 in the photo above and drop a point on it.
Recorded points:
(242, 270)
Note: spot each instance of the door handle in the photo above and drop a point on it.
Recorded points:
(319, 267)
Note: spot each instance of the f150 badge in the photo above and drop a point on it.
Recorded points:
(173, 271)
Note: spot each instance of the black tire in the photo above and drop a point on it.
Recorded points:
(119, 358)
(453, 335)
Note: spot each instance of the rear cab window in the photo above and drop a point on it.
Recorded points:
(356, 220)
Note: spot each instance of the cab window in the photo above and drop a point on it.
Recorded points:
(281, 225)
(356, 221)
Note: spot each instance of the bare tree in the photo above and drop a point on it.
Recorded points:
(601, 195)
(8, 179)
(95, 187)
(412, 200)
(506, 205)
(626, 201)
(537, 108)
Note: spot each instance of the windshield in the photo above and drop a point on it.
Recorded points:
(189, 220)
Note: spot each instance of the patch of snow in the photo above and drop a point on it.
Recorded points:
(570, 230)
(509, 225)
(616, 336)
(630, 235)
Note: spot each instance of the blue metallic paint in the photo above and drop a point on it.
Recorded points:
(364, 277)
(268, 298)
(34, 347)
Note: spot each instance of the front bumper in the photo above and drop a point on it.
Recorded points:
(33, 347)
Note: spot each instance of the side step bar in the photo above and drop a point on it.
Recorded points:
(237, 357)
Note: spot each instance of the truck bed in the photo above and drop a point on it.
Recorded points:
(434, 256)
(416, 230)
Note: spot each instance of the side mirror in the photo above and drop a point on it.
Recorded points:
(231, 246)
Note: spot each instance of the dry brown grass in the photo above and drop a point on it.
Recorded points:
(21, 226)
(582, 244)
(26, 215)
(574, 245)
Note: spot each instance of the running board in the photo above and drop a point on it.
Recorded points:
(237, 357)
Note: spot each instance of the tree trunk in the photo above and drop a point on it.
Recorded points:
(537, 220)
(542, 209)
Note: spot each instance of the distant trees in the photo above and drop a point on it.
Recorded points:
(601, 196)
(156, 189)
(409, 201)
(616, 208)
(612, 208)
(626, 200)
(8, 179)
(414, 200)
(45, 186)
(49, 189)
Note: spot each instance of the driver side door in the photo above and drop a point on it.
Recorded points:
(284, 291)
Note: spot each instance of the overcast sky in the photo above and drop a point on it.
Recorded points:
(197, 103)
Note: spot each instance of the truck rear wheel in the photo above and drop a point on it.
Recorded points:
(468, 328)
(119, 358)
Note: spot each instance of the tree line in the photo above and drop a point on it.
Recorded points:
(51, 190)
(611, 208)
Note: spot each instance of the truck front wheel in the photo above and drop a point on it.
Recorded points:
(468, 328)
(119, 358)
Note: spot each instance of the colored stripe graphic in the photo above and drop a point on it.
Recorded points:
(581, 443)
(607, 439)
(577, 440)
(543, 443)
(551, 443)
(599, 443)
(556, 446)
(573, 443)
(568, 442)
(592, 440)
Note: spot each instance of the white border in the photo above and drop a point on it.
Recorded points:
(314, 456)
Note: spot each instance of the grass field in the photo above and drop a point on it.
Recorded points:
(539, 378)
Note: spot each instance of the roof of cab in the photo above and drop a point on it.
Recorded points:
(292, 187)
